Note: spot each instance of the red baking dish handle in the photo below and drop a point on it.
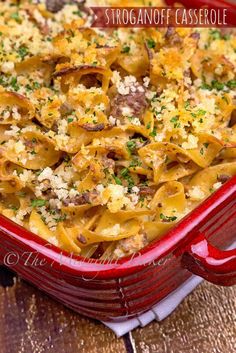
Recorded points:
(214, 265)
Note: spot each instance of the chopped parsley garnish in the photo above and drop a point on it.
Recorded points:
(151, 43)
(15, 16)
(117, 180)
(167, 218)
(71, 34)
(126, 49)
(200, 112)
(126, 175)
(130, 118)
(157, 113)
(38, 203)
(167, 160)
(148, 126)
(231, 84)
(2, 81)
(78, 13)
(23, 52)
(124, 172)
(14, 208)
(175, 121)
(135, 163)
(131, 145)
(14, 85)
(225, 99)
(62, 218)
(216, 34)
(28, 88)
(206, 86)
(219, 86)
(154, 132)
(36, 85)
(187, 105)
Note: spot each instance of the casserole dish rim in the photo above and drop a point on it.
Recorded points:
(180, 235)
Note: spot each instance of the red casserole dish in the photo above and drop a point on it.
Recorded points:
(111, 290)
(119, 290)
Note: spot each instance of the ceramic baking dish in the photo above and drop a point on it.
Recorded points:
(113, 290)
(119, 290)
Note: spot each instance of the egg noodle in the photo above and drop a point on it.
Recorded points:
(108, 138)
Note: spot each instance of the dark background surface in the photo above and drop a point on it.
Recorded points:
(31, 322)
